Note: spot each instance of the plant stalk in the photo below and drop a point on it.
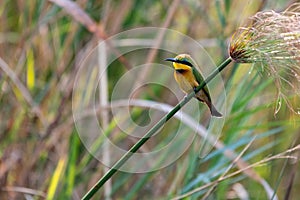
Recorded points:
(152, 131)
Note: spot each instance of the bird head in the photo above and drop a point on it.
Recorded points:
(182, 61)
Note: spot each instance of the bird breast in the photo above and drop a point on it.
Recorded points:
(185, 80)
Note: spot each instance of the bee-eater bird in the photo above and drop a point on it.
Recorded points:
(189, 78)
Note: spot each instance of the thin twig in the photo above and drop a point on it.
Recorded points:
(277, 156)
(103, 100)
(200, 130)
(24, 190)
(79, 15)
(82, 17)
(24, 91)
(158, 40)
(227, 170)
(152, 131)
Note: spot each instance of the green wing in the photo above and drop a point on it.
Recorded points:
(199, 79)
(197, 75)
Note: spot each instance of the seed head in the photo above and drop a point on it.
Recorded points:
(272, 39)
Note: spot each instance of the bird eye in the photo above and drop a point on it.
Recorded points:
(187, 62)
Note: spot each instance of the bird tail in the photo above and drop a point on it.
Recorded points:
(214, 112)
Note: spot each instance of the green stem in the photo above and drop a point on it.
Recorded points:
(151, 132)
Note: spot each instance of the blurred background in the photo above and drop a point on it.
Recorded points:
(43, 43)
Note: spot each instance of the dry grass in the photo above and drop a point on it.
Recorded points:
(42, 44)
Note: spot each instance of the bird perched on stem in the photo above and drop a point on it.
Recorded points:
(189, 78)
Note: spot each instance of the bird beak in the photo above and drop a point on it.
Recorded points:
(171, 59)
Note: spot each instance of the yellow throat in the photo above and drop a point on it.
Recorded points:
(181, 66)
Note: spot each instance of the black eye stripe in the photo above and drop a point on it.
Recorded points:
(184, 62)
